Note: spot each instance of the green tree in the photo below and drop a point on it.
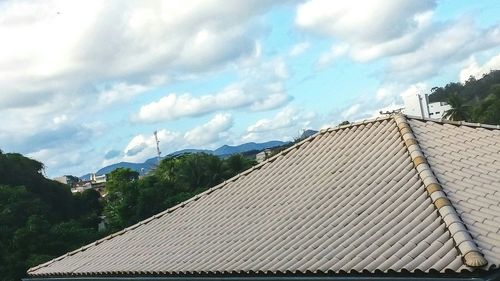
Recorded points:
(235, 164)
(122, 194)
(488, 111)
(39, 218)
(459, 111)
(176, 179)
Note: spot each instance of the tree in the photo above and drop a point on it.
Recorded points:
(459, 111)
(39, 218)
(236, 164)
(122, 193)
(488, 110)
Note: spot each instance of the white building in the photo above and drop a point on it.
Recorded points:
(98, 179)
(81, 186)
(438, 109)
(418, 105)
(67, 179)
(263, 155)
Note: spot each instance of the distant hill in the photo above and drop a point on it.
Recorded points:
(473, 91)
(228, 149)
(223, 151)
(476, 100)
(133, 166)
(308, 133)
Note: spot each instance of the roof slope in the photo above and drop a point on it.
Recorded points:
(466, 161)
(346, 199)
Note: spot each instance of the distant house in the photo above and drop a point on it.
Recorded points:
(67, 179)
(395, 198)
(438, 109)
(81, 186)
(417, 105)
(98, 178)
(263, 155)
(96, 182)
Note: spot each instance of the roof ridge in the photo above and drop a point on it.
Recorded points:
(461, 236)
(456, 123)
(208, 191)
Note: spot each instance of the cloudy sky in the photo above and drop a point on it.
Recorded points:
(85, 84)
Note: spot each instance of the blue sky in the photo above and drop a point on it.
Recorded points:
(85, 84)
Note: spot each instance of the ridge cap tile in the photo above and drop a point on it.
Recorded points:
(466, 245)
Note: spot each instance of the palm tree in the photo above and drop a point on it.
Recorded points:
(459, 111)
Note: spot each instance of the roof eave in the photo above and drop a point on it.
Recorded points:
(482, 275)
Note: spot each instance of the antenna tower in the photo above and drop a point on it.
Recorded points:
(157, 146)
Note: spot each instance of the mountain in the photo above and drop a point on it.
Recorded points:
(85, 177)
(189, 150)
(133, 166)
(228, 149)
(472, 91)
(307, 133)
(222, 151)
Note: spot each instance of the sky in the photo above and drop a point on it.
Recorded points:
(84, 84)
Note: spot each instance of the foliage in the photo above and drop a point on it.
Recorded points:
(130, 199)
(477, 100)
(39, 219)
(459, 111)
(488, 111)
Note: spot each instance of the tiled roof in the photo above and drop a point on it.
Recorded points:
(391, 194)
(466, 161)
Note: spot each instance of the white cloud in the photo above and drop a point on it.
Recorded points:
(57, 158)
(299, 48)
(335, 52)
(388, 97)
(56, 44)
(261, 89)
(120, 92)
(210, 132)
(388, 108)
(371, 28)
(448, 44)
(174, 106)
(60, 147)
(406, 32)
(474, 69)
(60, 52)
(60, 59)
(142, 147)
(415, 89)
(287, 124)
(351, 111)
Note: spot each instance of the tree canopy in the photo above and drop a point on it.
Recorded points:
(477, 100)
(130, 199)
(39, 218)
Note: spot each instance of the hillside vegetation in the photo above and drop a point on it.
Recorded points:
(41, 219)
(477, 100)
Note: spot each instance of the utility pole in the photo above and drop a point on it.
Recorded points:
(157, 146)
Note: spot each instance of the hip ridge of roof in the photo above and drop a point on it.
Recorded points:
(462, 238)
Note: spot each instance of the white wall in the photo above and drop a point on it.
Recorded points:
(437, 109)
